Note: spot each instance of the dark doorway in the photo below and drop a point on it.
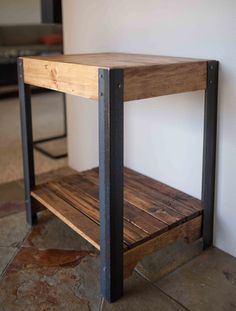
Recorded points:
(51, 11)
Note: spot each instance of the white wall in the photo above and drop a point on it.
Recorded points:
(20, 11)
(163, 135)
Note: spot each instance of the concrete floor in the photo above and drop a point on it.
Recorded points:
(51, 268)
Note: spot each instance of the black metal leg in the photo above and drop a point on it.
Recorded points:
(27, 143)
(209, 153)
(64, 114)
(111, 181)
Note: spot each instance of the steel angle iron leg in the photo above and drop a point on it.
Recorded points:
(27, 143)
(111, 134)
(209, 152)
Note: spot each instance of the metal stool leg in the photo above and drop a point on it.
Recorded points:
(64, 135)
(209, 153)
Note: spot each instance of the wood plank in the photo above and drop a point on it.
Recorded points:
(76, 198)
(167, 195)
(115, 60)
(145, 76)
(171, 192)
(81, 224)
(155, 196)
(139, 218)
(189, 231)
(159, 80)
(143, 202)
(157, 209)
(148, 215)
(144, 221)
(72, 79)
(78, 195)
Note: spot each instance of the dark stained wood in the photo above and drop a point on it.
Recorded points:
(78, 187)
(143, 220)
(161, 80)
(153, 202)
(162, 213)
(153, 196)
(77, 193)
(150, 207)
(172, 193)
(189, 231)
(84, 226)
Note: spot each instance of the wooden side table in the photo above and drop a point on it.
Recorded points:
(124, 214)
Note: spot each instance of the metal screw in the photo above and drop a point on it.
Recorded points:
(211, 67)
(101, 94)
(211, 81)
(101, 76)
(119, 85)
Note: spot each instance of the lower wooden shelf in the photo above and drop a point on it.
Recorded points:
(151, 208)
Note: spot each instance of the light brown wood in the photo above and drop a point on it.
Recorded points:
(144, 75)
(115, 60)
(189, 231)
(69, 78)
(73, 218)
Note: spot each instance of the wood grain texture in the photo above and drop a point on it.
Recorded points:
(89, 206)
(189, 231)
(171, 193)
(115, 60)
(148, 212)
(145, 76)
(73, 218)
(69, 78)
(158, 80)
(155, 198)
(137, 224)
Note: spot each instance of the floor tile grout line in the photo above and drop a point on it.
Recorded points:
(26, 237)
(19, 246)
(17, 249)
(166, 294)
(9, 262)
(172, 298)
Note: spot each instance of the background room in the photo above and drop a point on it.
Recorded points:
(29, 28)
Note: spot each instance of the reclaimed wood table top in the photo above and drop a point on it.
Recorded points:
(145, 76)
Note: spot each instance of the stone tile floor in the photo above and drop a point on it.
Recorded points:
(51, 268)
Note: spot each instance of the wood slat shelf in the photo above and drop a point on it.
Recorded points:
(150, 207)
